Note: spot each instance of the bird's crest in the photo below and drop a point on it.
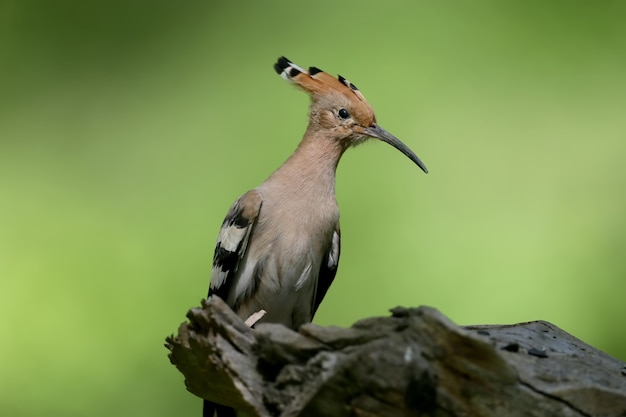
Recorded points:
(318, 83)
(315, 81)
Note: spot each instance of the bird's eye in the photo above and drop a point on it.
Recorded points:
(343, 113)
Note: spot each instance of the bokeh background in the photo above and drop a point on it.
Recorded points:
(127, 128)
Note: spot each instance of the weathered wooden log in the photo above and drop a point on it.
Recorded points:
(414, 363)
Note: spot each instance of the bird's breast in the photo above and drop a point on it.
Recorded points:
(290, 247)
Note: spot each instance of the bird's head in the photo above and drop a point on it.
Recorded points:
(339, 109)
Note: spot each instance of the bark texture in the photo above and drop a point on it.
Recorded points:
(414, 363)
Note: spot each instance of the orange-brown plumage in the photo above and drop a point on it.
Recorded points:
(323, 89)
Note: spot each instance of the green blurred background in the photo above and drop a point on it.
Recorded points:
(127, 128)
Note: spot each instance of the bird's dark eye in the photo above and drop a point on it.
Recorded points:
(343, 113)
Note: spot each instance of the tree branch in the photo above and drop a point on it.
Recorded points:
(414, 363)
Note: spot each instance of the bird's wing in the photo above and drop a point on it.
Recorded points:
(328, 270)
(230, 248)
(232, 242)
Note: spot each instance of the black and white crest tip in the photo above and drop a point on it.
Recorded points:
(347, 83)
(287, 69)
(314, 70)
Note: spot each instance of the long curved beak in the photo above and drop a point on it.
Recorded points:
(378, 132)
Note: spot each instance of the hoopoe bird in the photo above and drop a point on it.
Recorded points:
(278, 248)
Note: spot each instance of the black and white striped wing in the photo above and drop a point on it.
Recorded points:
(232, 242)
(328, 270)
(230, 249)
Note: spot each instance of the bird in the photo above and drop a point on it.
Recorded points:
(279, 245)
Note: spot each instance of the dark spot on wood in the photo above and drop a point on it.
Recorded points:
(538, 353)
(421, 394)
(352, 86)
(511, 347)
(268, 369)
(314, 70)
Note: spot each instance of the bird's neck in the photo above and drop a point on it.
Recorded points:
(311, 168)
